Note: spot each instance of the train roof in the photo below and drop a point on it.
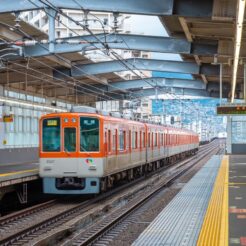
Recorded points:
(117, 117)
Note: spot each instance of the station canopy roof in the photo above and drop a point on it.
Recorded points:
(202, 32)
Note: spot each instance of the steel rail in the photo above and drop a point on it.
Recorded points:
(78, 209)
(88, 237)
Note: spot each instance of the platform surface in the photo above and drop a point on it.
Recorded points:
(18, 173)
(209, 211)
(181, 220)
(237, 200)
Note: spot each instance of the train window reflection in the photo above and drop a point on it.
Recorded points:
(122, 138)
(70, 139)
(89, 134)
(51, 135)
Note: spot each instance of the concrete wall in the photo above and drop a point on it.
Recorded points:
(238, 149)
(18, 156)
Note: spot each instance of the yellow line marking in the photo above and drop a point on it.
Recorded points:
(19, 172)
(214, 231)
(224, 231)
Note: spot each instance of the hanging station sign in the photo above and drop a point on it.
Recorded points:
(231, 110)
(8, 118)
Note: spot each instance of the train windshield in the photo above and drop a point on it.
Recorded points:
(51, 138)
(70, 139)
(89, 134)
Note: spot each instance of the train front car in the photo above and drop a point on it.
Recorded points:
(71, 153)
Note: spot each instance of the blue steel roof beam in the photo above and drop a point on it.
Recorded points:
(169, 90)
(192, 8)
(176, 91)
(161, 82)
(142, 64)
(162, 90)
(212, 91)
(126, 42)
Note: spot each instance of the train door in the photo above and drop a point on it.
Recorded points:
(70, 145)
(109, 145)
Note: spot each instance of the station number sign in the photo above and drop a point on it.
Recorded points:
(231, 110)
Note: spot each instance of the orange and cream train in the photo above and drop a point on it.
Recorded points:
(85, 152)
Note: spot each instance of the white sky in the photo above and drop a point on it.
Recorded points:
(150, 25)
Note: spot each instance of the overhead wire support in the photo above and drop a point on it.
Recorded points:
(48, 4)
(59, 57)
(77, 24)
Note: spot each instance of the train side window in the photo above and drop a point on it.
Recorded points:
(130, 140)
(121, 145)
(109, 141)
(140, 140)
(143, 140)
(114, 142)
(156, 139)
(149, 141)
(133, 140)
(152, 139)
(161, 142)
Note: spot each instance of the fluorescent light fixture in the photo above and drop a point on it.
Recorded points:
(237, 47)
(30, 104)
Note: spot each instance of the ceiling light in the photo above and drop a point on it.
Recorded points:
(237, 47)
(30, 104)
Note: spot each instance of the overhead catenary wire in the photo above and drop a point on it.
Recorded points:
(48, 4)
(141, 78)
(115, 54)
(81, 82)
(62, 85)
(73, 65)
(98, 39)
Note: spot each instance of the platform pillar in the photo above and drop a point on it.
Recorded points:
(2, 128)
(51, 16)
(229, 135)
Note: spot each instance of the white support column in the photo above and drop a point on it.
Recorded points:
(244, 83)
(51, 16)
(2, 128)
(229, 135)
(221, 81)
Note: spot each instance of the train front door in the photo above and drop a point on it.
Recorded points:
(70, 146)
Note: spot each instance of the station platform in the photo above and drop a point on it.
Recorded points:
(209, 210)
(11, 174)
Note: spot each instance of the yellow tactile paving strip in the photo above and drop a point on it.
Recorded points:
(215, 226)
(16, 173)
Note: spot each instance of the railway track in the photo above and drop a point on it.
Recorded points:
(22, 227)
(100, 230)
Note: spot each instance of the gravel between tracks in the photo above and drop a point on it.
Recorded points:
(15, 226)
(156, 207)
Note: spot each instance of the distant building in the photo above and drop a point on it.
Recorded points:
(98, 22)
